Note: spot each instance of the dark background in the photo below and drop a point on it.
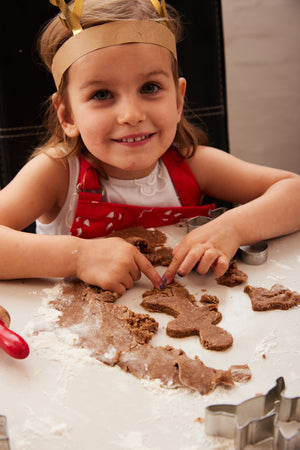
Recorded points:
(25, 84)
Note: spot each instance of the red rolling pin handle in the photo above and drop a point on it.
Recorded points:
(13, 344)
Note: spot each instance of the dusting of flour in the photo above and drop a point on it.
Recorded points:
(47, 338)
(267, 344)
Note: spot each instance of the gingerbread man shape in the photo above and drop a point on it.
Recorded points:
(190, 320)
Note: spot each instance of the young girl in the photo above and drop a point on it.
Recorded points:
(120, 153)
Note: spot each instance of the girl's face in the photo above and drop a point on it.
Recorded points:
(124, 103)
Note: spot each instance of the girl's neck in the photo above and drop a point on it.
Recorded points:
(114, 172)
(129, 173)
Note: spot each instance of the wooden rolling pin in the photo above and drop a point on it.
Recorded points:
(13, 344)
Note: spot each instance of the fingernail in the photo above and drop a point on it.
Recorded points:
(164, 281)
(180, 274)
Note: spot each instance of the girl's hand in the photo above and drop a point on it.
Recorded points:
(113, 264)
(211, 245)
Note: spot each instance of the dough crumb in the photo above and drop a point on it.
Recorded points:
(233, 276)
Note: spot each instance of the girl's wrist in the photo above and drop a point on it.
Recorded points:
(233, 227)
(74, 253)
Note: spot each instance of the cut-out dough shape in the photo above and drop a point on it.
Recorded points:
(190, 320)
(278, 297)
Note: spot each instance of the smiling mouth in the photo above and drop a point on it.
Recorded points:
(132, 139)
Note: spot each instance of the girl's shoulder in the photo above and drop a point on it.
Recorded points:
(49, 172)
(49, 161)
(45, 179)
(204, 157)
(213, 168)
(223, 175)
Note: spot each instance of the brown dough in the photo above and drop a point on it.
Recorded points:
(278, 297)
(240, 374)
(146, 361)
(190, 319)
(171, 290)
(83, 290)
(190, 369)
(150, 242)
(233, 276)
(209, 299)
(105, 328)
(117, 336)
(175, 369)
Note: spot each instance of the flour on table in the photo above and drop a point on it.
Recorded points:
(267, 344)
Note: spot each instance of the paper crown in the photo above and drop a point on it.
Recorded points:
(109, 34)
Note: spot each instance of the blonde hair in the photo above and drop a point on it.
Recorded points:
(97, 12)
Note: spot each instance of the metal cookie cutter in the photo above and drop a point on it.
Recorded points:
(4, 444)
(254, 254)
(257, 419)
(197, 221)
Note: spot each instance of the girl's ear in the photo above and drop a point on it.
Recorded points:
(180, 96)
(64, 117)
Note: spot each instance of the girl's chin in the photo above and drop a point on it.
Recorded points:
(130, 167)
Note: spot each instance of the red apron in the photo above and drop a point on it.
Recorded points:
(96, 218)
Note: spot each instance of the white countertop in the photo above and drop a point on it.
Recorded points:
(61, 398)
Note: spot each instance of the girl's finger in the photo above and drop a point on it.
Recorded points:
(127, 281)
(135, 273)
(146, 267)
(220, 265)
(173, 268)
(207, 260)
(191, 259)
(117, 287)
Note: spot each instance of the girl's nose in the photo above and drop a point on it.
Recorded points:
(130, 112)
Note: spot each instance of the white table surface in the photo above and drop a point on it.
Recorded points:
(61, 398)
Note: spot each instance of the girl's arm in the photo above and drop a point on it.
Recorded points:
(269, 201)
(39, 190)
(112, 264)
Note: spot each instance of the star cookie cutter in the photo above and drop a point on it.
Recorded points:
(257, 419)
(4, 444)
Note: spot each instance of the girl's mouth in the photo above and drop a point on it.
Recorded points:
(134, 139)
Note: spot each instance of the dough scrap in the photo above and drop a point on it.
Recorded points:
(150, 242)
(233, 276)
(278, 297)
(209, 299)
(190, 319)
(118, 336)
(240, 373)
(193, 373)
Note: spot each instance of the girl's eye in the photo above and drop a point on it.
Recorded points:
(150, 88)
(102, 95)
